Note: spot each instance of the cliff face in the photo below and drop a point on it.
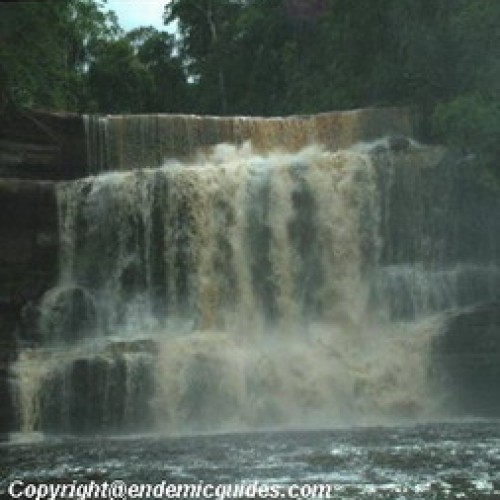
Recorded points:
(467, 361)
(28, 266)
(39, 145)
(441, 255)
(125, 142)
(437, 246)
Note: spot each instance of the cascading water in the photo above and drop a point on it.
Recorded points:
(241, 290)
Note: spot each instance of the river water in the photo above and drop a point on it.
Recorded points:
(245, 291)
(427, 461)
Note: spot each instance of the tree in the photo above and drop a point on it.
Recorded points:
(204, 27)
(155, 49)
(44, 51)
(118, 81)
(469, 117)
(265, 57)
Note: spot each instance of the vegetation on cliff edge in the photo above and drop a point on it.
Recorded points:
(264, 57)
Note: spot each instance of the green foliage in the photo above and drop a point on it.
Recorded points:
(469, 117)
(118, 81)
(44, 47)
(471, 122)
(441, 57)
(265, 57)
(154, 49)
(206, 29)
(72, 55)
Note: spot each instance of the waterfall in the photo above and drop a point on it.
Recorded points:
(245, 287)
(126, 142)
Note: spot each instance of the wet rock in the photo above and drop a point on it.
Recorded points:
(42, 145)
(399, 143)
(106, 392)
(467, 360)
(67, 314)
(28, 266)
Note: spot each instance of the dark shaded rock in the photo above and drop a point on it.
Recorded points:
(111, 391)
(28, 219)
(147, 346)
(42, 145)
(67, 314)
(28, 266)
(7, 414)
(467, 360)
(378, 149)
(436, 211)
(398, 143)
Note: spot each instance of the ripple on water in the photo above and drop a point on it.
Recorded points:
(437, 461)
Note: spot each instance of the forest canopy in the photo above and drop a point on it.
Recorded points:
(263, 57)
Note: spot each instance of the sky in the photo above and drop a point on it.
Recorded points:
(134, 13)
